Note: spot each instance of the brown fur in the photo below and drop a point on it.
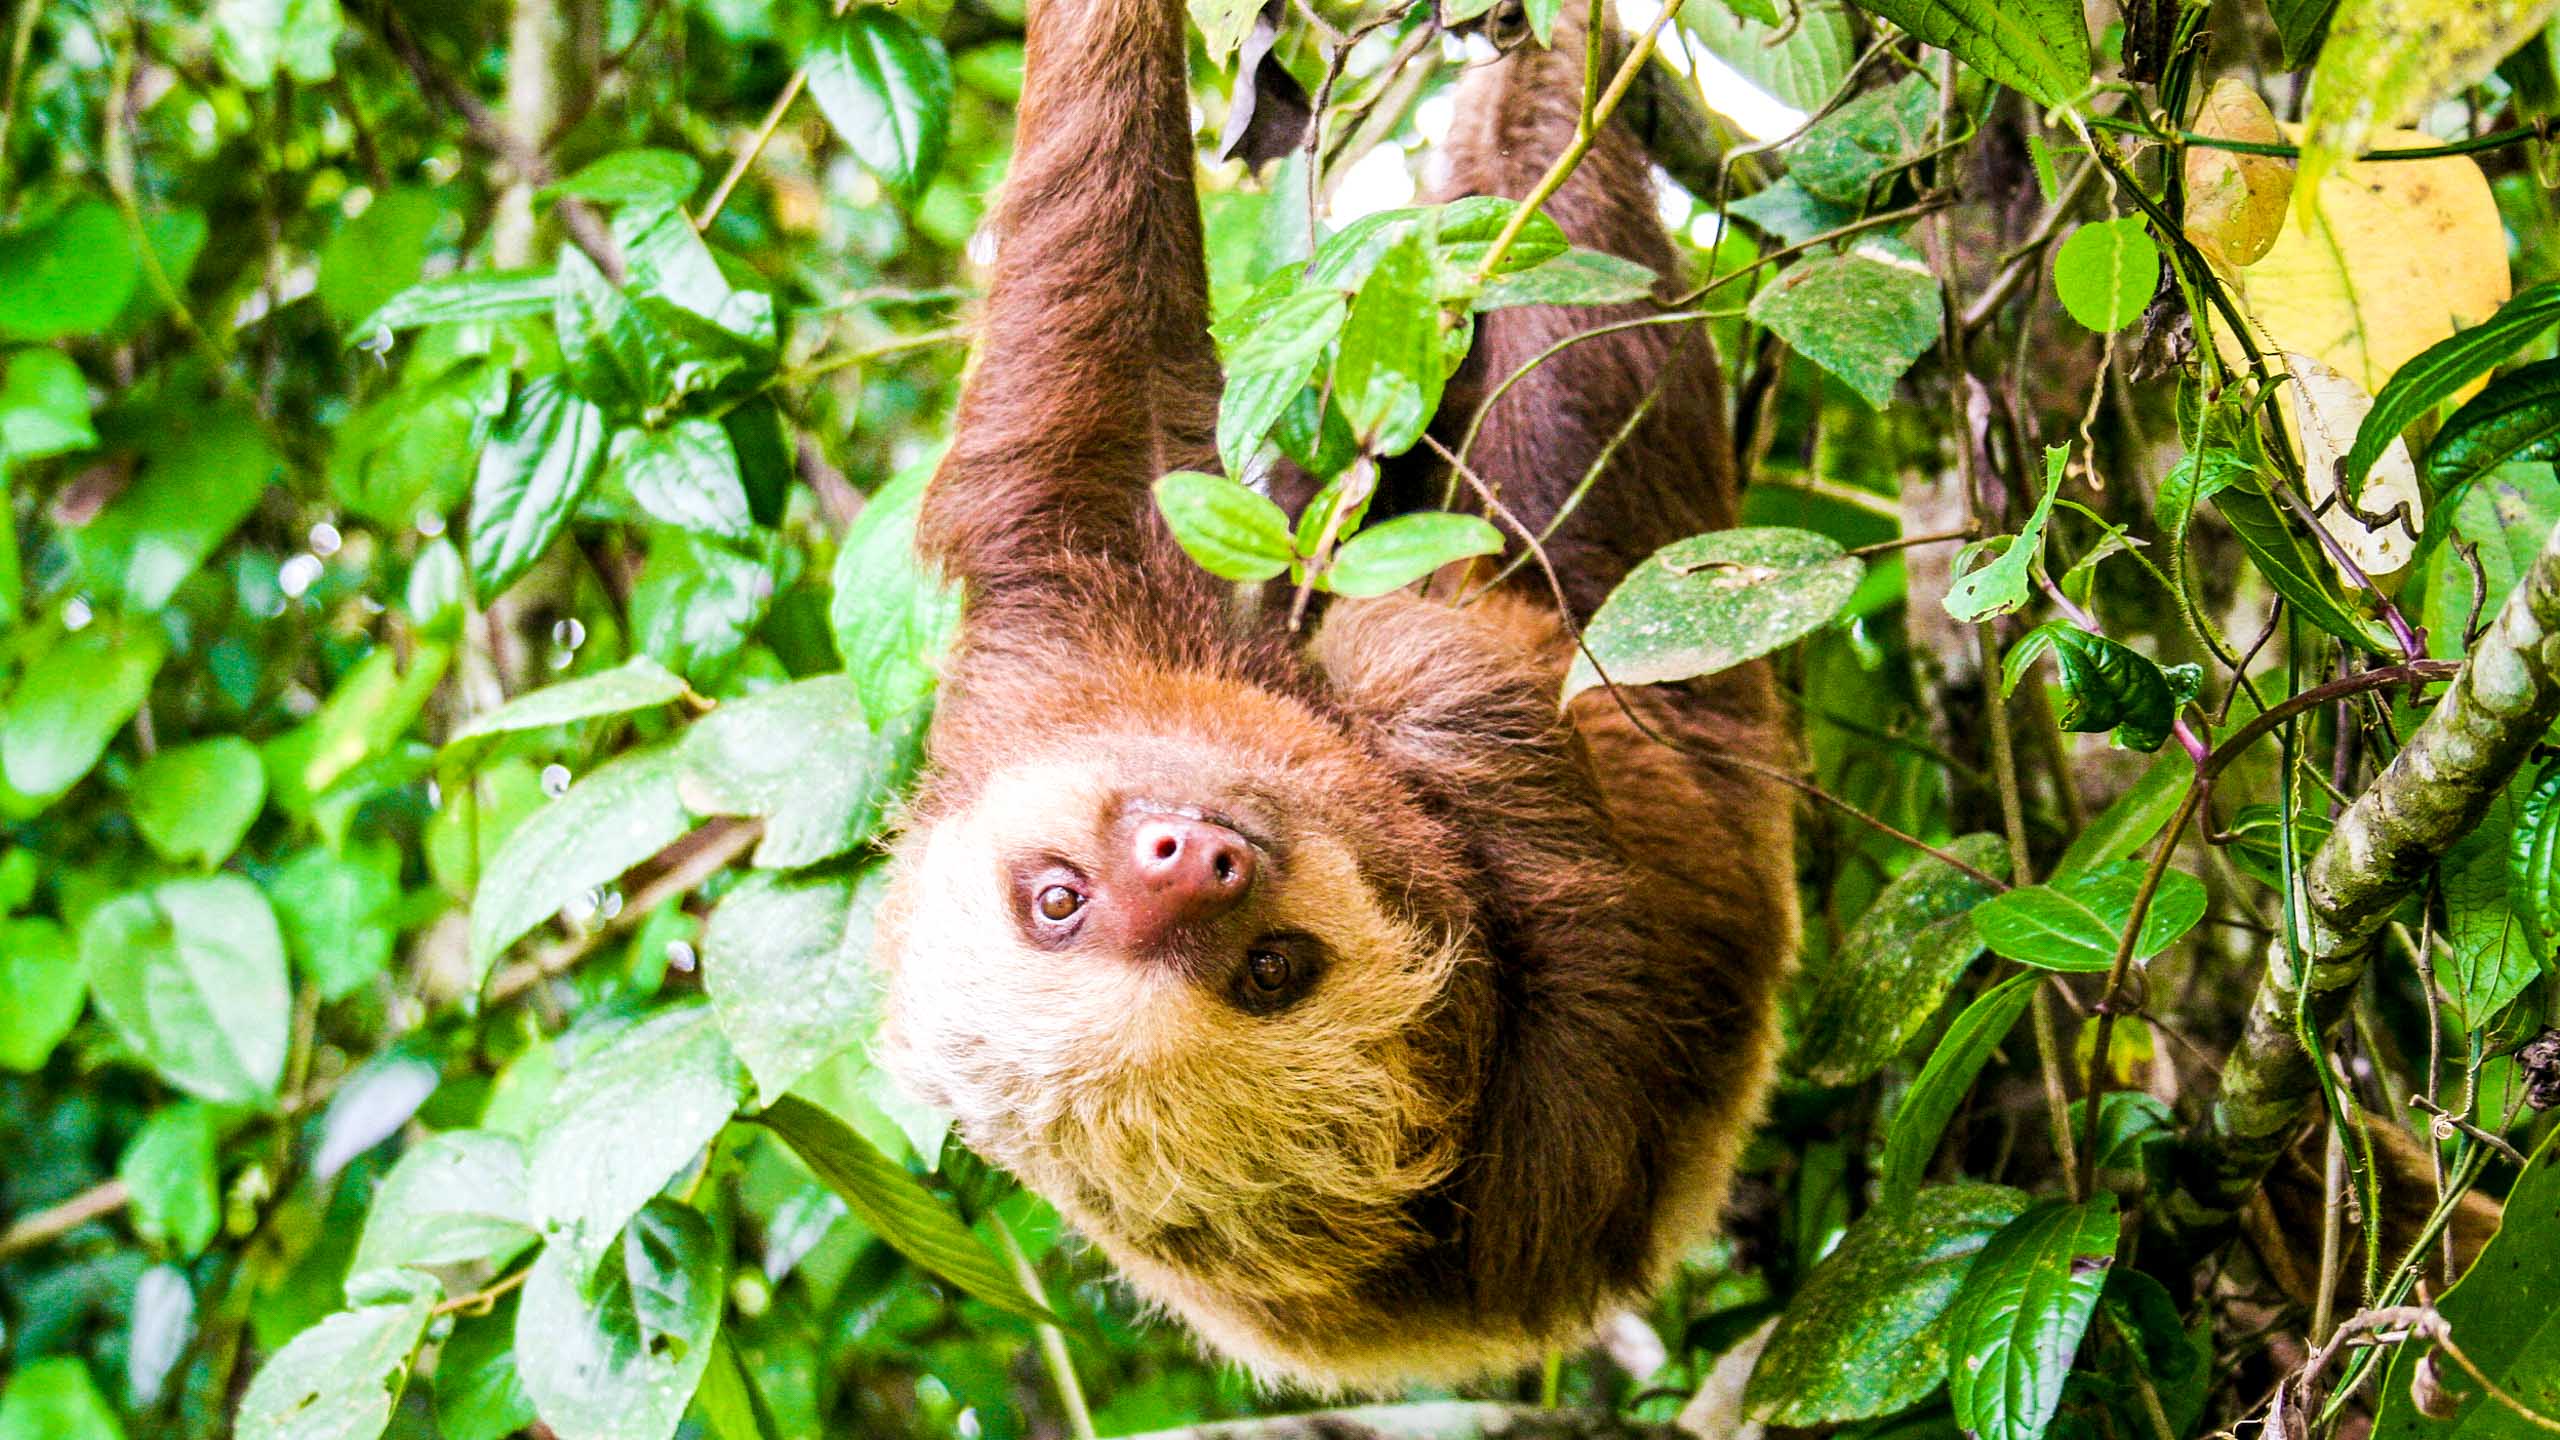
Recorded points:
(1516, 1095)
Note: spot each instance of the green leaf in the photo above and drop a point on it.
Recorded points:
(2516, 418)
(255, 38)
(191, 975)
(625, 1118)
(454, 1199)
(2501, 1315)
(2533, 864)
(2136, 816)
(207, 466)
(375, 255)
(603, 825)
(2257, 840)
(1840, 156)
(1268, 366)
(1867, 1333)
(2105, 273)
(2388, 59)
(1711, 602)
(1389, 557)
(479, 1395)
(620, 1361)
(898, 1209)
(2300, 27)
(657, 177)
(2075, 923)
(615, 357)
(340, 1379)
(69, 276)
(886, 88)
(727, 1403)
(475, 297)
(2426, 379)
(71, 701)
(686, 476)
(801, 757)
(2129, 1122)
(893, 617)
(1223, 24)
(168, 1169)
(1463, 232)
(1865, 315)
(2039, 48)
(638, 683)
(536, 466)
(2007, 582)
(2104, 685)
(2019, 1316)
(698, 601)
(1941, 1086)
(40, 973)
(54, 1399)
(786, 960)
(1388, 373)
(1577, 277)
(1801, 59)
(197, 801)
(1896, 965)
(1232, 532)
(44, 406)
(2488, 956)
(2290, 564)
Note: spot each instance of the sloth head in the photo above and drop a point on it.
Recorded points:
(1181, 1010)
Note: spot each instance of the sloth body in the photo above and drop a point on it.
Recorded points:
(1376, 1018)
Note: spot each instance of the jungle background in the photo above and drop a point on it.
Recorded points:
(461, 645)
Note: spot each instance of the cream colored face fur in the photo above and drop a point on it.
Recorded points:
(1165, 1121)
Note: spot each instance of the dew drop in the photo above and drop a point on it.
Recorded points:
(430, 524)
(555, 780)
(325, 540)
(608, 904)
(568, 634)
(435, 795)
(76, 615)
(680, 956)
(297, 575)
(584, 908)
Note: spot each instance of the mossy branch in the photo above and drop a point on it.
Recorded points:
(2430, 796)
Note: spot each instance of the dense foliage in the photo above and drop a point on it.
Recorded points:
(462, 645)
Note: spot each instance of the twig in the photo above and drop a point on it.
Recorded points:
(32, 1232)
(2539, 129)
(703, 854)
(1053, 1341)
(2489, 1138)
(480, 1302)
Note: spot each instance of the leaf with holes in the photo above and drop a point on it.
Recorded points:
(1865, 316)
(1711, 602)
(1896, 965)
(620, 1360)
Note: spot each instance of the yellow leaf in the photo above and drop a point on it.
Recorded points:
(2324, 409)
(2387, 60)
(2236, 203)
(2385, 259)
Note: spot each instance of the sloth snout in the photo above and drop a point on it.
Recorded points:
(1188, 871)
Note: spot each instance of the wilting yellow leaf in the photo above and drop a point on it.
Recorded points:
(2323, 409)
(2235, 202)
(2386, 60)
(2395, 256)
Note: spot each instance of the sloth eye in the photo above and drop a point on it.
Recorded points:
(1276, 972)
(1267, 971)
(1057, 904)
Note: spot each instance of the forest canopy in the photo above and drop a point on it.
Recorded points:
(463, 649)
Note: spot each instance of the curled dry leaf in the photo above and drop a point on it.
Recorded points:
(2236, 203)
(2397, 256)
(2324, 408)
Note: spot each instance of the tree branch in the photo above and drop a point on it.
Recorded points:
(1431, 1420)
(2433, 793)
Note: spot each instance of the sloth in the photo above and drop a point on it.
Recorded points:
(1377, 1017)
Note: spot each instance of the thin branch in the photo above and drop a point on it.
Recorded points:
(32, 1232)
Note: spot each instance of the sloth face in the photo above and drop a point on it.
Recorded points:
(1181, 1013)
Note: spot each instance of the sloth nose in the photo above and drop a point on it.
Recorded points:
(1187, 870)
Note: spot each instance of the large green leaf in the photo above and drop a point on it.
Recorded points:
(625, 812)
(2533, 863)
(1801, 58)
(1840, 157)
(1234, 533)
(340, 1379)
(620, 1360)
(191, 974)
(1390, 556)
(2502, 1317)
(1388, 371)
(2105, 273)
(475, 296)
(72, 700)
(479, 1394)
(886, 88)
(787, 961)
(1896, 965)
(636, 684)
(2019, 1316)
(1711, 602)
(2075, 922)
(535, 468)
(2105, 686)
(686, 476)
(1942, 1084)
(337, 910)
(454, 1199)
(40, 973)
(195, 802)
(626, 1117)
(801, 758)
(1268, 364)
(2488, 955)
(898, 1208)
(44, 406)
(2137, 815)
(2427, 378)
(54, 1399)
(2039, 48)
(892, 616)
(168, 1170)
(1864, 315)
(1867, 1334)
(70, 275)
(205, 470)
(2516, 418)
